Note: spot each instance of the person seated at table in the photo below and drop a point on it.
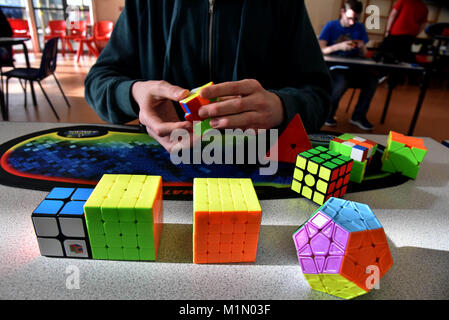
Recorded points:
(347, 37)
(263, 57)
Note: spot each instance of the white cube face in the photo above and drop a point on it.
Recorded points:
(50, 247)
(359, 139)
(357, 154)
(349, 144)
(76, 248)
(72, 227)
(46, 226)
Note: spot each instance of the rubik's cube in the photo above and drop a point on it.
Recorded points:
(321, 173)
(342, 249)
(124, 217)
(194, 102)
(359, 149)
(403, 154)
(226, 220)
(60, 225)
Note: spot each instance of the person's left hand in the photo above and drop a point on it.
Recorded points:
(242, 104)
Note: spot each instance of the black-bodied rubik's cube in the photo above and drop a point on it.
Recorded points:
(321, 173)
(60, 225)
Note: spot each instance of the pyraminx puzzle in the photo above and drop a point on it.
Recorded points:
(338, 244)
(358, 149)
(403, 154)
(226, 220)
(321, 174)
(60, 225)
(124, 217)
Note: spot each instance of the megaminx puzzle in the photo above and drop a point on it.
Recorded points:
(338, 244)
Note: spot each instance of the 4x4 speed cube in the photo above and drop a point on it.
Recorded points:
(60, 225)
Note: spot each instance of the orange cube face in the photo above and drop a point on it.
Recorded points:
(227, 217)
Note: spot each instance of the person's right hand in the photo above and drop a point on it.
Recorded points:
(157, 112)
(345, 45)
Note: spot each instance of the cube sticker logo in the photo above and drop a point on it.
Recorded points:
(124, 217)
(59, 219)
(338, 244)
(226, 220)
(358, 149)
(320, 174)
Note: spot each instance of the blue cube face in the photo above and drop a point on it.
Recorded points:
(73, 208)
(82, 194)
(60, 193)
(50, 207)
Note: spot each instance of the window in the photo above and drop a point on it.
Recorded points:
(48, 10)
(14, 8)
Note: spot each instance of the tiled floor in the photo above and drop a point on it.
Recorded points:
(433, 121)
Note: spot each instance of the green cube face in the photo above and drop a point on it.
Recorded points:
(321, 174)
(124, 217)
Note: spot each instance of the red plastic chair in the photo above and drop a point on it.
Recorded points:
(58, 29)
(78, 33)
(102, 33)
(20, 28)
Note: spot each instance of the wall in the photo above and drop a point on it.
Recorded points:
(107, 9)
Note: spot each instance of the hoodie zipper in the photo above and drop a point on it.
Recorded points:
(211, 21)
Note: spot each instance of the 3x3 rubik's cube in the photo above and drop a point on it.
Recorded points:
(360, 150)
(192, 104)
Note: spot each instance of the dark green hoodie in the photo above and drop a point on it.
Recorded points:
(191, 42)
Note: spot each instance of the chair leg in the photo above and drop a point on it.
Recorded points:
(350, 100)
(25, 95)
(48, 99)
(60, 88)
(6, 111)
(33, 94)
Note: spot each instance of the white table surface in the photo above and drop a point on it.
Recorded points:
(415, 216)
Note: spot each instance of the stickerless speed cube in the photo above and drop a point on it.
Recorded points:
(193, 103)
(226, 220)
(60, 225)
(342, 249)
(403, 154)
(321, 173)
(124, 217)
(358, 149)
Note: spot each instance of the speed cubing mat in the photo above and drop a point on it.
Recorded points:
(80, 155)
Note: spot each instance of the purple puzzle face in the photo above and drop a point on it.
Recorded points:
(321, 245)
